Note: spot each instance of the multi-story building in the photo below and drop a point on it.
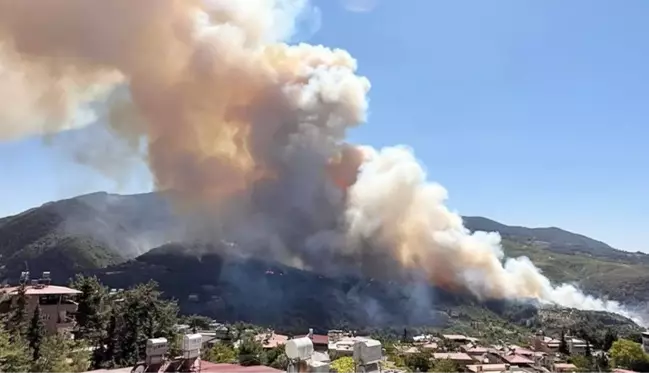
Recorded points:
(56, 303)
(576, 346)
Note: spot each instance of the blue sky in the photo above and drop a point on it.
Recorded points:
(529, 112)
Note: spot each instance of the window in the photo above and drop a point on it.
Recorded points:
(48, 299)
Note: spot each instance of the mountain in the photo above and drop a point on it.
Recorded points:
(567, 257)
(89, 231)
(554, 239)
(291, 300)
(102, 230)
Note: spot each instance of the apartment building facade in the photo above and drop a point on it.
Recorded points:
(57, 303)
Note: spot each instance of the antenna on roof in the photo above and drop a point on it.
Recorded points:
(24, 275)
(46, 279)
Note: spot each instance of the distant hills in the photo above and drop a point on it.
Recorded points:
(554, 239)
(125, 239)
(90, 231)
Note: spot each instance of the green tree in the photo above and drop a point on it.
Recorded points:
(238, 330)
(563, 345)
(280, 363)
(445, 365)
(609, 338)
(111, 353)
(392, 354)
(18, 319)
(449, 345)
(79, 357)
(602, 363)
(140, 314)
(198, 322)
(220, 353)
(343, 364)
(250, 352)
(14, 356)
(582, 363)
(276, 358)
(53, 354)
(91, 317)
(588, 353)
(627, 354)
(420, 361)
(36, 333)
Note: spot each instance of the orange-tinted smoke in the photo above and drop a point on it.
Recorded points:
(211, 88)
(343, 171)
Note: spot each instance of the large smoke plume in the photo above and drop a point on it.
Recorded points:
(248, 133)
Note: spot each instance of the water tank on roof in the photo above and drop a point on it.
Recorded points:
(367, 351)
(156, 346)
(299, 348)
(192, 345)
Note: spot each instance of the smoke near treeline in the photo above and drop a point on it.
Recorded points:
(248, 133)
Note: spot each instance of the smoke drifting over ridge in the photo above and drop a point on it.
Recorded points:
(248, 133)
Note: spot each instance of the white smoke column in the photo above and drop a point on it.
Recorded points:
(394, 206)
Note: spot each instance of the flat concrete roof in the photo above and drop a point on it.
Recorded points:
(47, 290)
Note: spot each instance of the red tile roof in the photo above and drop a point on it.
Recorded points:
(317, 339)
(523, 351)
(517, 359)
(476, 350)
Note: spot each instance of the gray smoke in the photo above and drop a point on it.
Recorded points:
(248, 133)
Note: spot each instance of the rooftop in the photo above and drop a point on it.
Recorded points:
(430, 346)
(550, 340)
(522, 351)
(271, 340)
(487, 367)
(206, 367)
(475, 349)
(455, 337)
(346, 343)
(409, 350)
(425, 337)
(565, 366)
(317, 339)
(458, 356)
(517, 359)
(42, 290)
